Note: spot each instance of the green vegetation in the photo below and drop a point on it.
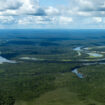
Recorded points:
(25, 81)
(72, 90)
(47, 78)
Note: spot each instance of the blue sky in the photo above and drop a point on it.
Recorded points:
(53, 2)
(70, 14)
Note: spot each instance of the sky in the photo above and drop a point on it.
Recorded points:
(44, 14)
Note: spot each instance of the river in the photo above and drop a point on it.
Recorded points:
(75, 71)
(4, 60)
(78, 49)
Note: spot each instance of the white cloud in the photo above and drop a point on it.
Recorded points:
(20, 7)
(45, 20)
(9, 4)
(65, 20)
(85, 4)
(6, 19)
(97, 19)
(8, 13)
(88, 8)
(31, 12)
(52, 11)
(29, 6)
(35, 20)
(82, 13)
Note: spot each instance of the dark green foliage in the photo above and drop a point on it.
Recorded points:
(6, 98)
(27, 80)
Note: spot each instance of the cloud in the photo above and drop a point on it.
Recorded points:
(21, 7)
(90, 7)
(52, 11)
(31, 7)
(38, 12)
(28, 7)
(9, 4)
(97, 19)
(82, 13)
(6, 19)
(65, 20)
(30, 12)
(85, 8)
(35, 20)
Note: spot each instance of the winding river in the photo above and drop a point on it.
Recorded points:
(75, 71)
(78, 49)
(4, 60)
